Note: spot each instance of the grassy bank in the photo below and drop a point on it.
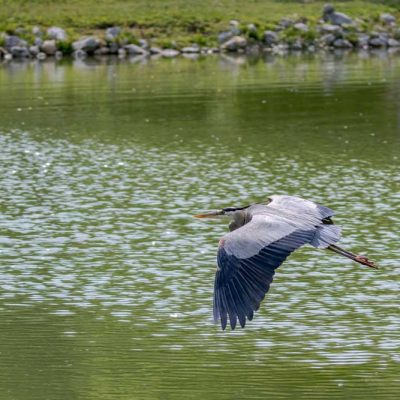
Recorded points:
(172, 19)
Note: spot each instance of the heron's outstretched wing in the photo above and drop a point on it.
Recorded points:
(247, 259)
(298, 206)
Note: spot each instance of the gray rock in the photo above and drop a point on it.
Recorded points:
(329, 28)
(113, 47)
(301, 27)
(49, 47)
(234, 44)
(297, 45)
(225, 36)
(285, 23)
(102, 51)
(56, 33)
(59, 55)
(19, 52)
(144, 44)
(8, 57)
(37, 31)
(251, 28)
(387, 19)
(363, 40)
(378, 42)
(328, 39)
(169, 53)
(34, 50)
(38, 41)
(270, 38)
(89, 45)
(393, 43)
(191, 49)
(155, 50)
(336, 18)
(112, 33)
(342, 44)
(121, 53)
(133, 49)
(41, 56)
(14, 41)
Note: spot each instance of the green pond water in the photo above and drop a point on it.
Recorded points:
(106, 280)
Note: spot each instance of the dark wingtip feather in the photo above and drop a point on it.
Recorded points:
(224, 321)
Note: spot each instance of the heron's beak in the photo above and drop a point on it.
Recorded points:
(211, 214)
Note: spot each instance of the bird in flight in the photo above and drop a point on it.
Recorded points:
(261, 237)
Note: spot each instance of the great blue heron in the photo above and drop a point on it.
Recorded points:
(261, 237)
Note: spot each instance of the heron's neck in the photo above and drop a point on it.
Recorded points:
(239, 218)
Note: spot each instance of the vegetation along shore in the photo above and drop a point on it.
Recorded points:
(47, 28)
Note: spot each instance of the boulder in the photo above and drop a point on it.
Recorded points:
(133, 49)
(379, 41)
(49, 47)
(36, 31)
(144, 44)
(38, 41)
(336, 18)
(225, 36)
(112, 33)
(34, 50)
(297, 45)
(270, 38)
(393, 43)
(251, 28)
(329, 28)
(342, 44)
(89, 45)
(300, 26)
(14, 41)
(234, 44)
(56, 33)
(121, 53)
(387, 19)
(19, 52)
(169, 53)
(191, 49)
(155, 50)
(328, 39)
(285, 23)
(363, 40)
(113, 47)
(102, 51)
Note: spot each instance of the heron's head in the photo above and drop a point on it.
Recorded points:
(227, 212)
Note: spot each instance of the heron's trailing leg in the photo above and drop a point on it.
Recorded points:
(360, 259)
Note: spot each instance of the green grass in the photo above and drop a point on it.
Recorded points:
(177, 19)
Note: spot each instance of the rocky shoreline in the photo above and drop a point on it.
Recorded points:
(334, 30)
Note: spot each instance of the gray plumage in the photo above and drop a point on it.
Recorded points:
(261, 237)
(264, 236)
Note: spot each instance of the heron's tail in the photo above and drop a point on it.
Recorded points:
(357, 258)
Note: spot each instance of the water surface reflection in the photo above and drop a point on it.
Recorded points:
(106, 279)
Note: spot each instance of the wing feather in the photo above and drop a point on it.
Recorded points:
(242, 279)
